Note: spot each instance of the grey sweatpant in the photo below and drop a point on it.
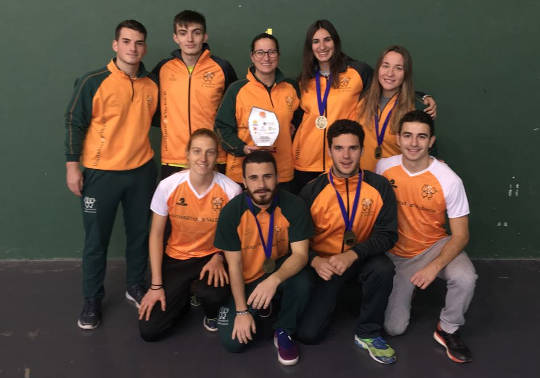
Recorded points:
(460, 278)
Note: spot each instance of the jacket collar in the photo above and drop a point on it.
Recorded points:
(251, 76)
(142, 72)
(205, 51)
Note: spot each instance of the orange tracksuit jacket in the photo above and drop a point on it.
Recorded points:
(232, 121)
(189, 101)
(309, 144)
(375, 223)
(109, 117)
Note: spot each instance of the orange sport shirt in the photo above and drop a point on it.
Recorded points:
(193, 216)
(423, 198)
(237, 230)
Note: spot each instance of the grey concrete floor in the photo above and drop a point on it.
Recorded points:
(39, 336)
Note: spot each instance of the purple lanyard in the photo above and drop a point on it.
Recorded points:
(348, 222)
(322, 102)
(380, 136)
(267, 246)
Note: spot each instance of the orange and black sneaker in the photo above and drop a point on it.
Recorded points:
(456, 349)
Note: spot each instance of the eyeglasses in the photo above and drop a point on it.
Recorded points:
(261, 53)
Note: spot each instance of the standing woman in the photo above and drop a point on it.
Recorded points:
(265, 94)
(192, 200)
(330, 87)
(387, 99)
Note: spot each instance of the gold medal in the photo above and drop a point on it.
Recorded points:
(378, 152)
(269, 265)
(349, 238)
(321, 122)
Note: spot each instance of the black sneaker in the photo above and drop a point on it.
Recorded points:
(91, 314)
(456, 350)
(135, 294)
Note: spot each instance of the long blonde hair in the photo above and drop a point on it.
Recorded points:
(372, 96)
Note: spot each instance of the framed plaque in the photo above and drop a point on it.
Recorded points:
(263, 127)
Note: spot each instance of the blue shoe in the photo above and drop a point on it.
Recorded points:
(287, 349)
(378, 349)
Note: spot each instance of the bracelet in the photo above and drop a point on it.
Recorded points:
(157, 284)
(245, 312)
(156, 287)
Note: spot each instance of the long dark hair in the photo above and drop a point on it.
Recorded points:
(309, 62)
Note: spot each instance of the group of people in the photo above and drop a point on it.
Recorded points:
(348, 192)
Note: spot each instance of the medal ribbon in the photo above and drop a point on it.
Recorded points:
(380, 136)
(348, 222)
(322, 102)
(267, 246)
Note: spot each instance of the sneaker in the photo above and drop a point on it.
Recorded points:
(287, 349)
(456, 350)
(91, 314)
(194, 301)
(210, 324)
(135, 294)
(265, 312)
(378, 349)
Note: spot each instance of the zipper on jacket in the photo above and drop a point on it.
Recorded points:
(189, 101)
(324, 137)
(324, 151)
(132, 89)
(348, 209)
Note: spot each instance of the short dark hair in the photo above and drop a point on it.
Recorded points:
(262, 36)
(259, 156)
(345, 126)
(130, 24)
(189, 17)
(418, 116)
(203, 132)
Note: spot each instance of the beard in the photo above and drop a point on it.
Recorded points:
(267, 200)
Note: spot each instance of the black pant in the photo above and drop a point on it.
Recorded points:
(102, 192)
(180, 279)
(293, 296)
(375, 276)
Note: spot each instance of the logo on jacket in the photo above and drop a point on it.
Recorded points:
(428, 191)
(289, 100)
(89, 204)
(149, 100)
(208, 78)
(217, 203)
(393, 183)
(344, 82)
(181, 202)
(367, 203)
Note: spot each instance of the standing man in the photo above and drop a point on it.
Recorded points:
(192, 83)
(265, 235)
(354, 216)
(107, 125)
(427, 190)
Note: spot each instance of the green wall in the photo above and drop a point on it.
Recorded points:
(478, 58)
